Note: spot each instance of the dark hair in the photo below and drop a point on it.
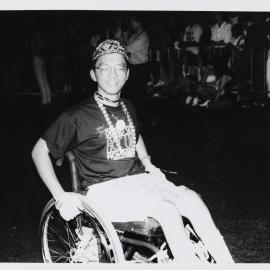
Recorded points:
(137, 18)
(237, 30)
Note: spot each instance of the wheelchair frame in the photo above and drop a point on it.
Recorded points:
(138, 241)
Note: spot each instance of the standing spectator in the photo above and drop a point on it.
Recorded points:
(220, 31)
(191, 40)
(220, 37)
(238, 61)
(137, 45)
(37, 46)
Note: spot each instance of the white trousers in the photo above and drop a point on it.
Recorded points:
(133, 198)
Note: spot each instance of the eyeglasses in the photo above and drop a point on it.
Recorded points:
(105, 70)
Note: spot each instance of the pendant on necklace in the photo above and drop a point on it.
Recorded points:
(120, 125)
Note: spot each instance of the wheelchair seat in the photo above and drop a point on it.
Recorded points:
(150, 227)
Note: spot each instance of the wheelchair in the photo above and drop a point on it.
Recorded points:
(89, 237)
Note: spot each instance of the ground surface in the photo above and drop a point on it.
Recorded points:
(223, 154)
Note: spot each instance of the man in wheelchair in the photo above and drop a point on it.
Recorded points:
(116, 169)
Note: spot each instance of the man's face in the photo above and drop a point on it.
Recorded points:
(110, 73)
(219, 18)
(133, 25)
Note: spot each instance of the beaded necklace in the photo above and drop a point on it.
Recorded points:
(120, 125)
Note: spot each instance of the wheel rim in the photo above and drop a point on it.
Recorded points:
(81, 240)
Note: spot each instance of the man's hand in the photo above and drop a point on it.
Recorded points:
(156, 172)
(69, 205)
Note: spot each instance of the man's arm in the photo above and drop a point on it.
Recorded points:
(68, 203)
(43, 163)
(146, 160)
(142, 152)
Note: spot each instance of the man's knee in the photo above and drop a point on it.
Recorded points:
(188, 201)
(166, 212)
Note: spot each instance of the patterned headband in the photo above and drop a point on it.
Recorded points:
(109, 46)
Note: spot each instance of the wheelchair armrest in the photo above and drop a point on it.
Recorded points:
(70, 156)
(59, 162)
(73, 170)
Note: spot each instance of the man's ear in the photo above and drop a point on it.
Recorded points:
(127, 76)
(93, 75)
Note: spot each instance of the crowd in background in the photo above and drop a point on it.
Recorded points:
(198, 53)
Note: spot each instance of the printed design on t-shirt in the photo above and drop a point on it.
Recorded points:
(100, 131)
(120, 142)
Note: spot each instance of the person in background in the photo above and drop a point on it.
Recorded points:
(137, 45)
(220, 31)
(220, 38)
(238, 61)
(210, 89)
(191, 45)
(38, 52)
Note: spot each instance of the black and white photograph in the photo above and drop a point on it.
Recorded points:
(135, 135)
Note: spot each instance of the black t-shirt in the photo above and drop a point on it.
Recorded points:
(84, 130)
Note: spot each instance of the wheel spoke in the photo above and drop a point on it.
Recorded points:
(53, 251)
(70, 233)
(60, 258)
(67, 230)
(62, 240)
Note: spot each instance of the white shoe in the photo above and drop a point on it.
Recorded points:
(195, 101)
(188, 99)
(150, 83)
(159, 83)
(205, 104)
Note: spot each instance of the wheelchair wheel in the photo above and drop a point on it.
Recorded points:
(84, 239)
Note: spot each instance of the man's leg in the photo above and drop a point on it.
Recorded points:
(173, 228)
(191, 206)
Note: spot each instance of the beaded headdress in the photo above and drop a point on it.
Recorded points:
(109, 46)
